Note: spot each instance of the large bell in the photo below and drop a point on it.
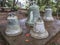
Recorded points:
(39, 31)
(13, 27)
(48, 14)
(33, 14)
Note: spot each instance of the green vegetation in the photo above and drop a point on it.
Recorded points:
(9, 3)
(43, 3)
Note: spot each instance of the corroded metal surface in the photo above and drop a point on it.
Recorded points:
(33, 14)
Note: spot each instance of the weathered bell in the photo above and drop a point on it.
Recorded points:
(33, 14)
(13, 27)
(48, 14)
(39, 31)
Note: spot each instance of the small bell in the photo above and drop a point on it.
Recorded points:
(33, 14)
(13, 27)
(48, 14)
(39, 31)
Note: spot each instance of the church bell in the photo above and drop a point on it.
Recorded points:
(48, 14)
(13, 27)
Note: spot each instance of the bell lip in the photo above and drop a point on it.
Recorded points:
(48, 18)
(18, 33)
(38, 37)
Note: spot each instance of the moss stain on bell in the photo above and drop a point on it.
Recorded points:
(33, 14)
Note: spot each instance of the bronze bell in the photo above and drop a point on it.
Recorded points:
(48, 14)
(39, 31)
(33, 14)
(13, 27)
